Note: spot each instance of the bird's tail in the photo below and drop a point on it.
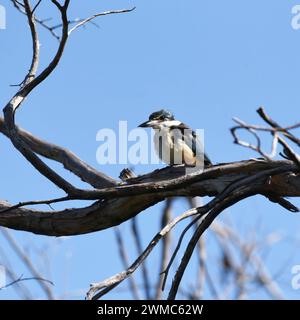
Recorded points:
(207, 161)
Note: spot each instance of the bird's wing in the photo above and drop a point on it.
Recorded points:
(193, 141)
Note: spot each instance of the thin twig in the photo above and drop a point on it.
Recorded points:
(257, 148)
(289, 152)
(20, 279)
(166, 271)
(274, 124)
(105, 13)
(122, 252)
(35, 44)
(8, 236)
(36, 6)
(36, 202)
(165, 247)
(138, 243)
(20, 288)
(201, 272)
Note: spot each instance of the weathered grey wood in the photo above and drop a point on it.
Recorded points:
(107, 213)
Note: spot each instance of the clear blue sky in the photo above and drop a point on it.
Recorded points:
(207, 61)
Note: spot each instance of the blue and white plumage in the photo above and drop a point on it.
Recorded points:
(175, 142)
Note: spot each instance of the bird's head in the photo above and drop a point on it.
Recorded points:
(158, 119)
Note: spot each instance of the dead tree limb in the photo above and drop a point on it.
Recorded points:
(118, 204)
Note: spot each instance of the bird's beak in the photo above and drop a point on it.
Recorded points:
(148, 124)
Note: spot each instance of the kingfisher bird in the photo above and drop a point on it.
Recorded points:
(175, 143)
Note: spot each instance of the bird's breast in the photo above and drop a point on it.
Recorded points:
(172, 149)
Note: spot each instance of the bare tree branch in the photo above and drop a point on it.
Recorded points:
(35, 42)
(30, 83)
(262, 275)
(166, 271)
(166, 247)
(35, 202)
(109, 284)
(241, 193)
(239, 190)
(36, 6)
(21, 278)
(257, 147)
(42, 22)
(289, 152)
(201, 272)
(84, 21)
(123, 203)
(45, 287)
(62, 155)
(138, 243)
(124, 258)
(20, 287)
(277, 127)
